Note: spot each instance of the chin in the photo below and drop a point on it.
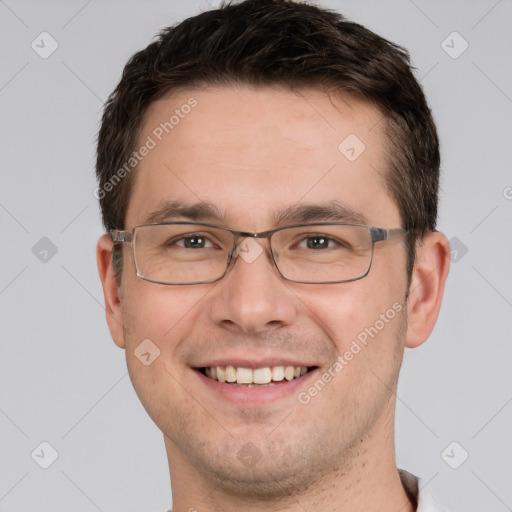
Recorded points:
(266, 482)
(241, 469)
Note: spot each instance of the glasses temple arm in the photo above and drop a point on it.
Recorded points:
(379, 234)
(120, 236)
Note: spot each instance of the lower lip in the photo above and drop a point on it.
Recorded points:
(257, 395)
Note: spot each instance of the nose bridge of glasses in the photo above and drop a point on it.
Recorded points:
(241, 236)
(248, 248)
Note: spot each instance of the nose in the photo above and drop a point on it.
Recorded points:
(253, 297)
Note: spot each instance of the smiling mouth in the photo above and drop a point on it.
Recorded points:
(258, 377)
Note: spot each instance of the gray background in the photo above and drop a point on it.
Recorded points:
(63, 381)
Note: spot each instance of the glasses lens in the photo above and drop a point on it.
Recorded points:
(181, 253)
(323, 253)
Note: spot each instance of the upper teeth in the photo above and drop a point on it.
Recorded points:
(257, 376)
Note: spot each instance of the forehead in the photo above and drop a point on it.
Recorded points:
(252, 152)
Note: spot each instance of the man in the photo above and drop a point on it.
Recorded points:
(268, 176)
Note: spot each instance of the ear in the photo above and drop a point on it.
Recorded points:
(427, 286)
(111, 291)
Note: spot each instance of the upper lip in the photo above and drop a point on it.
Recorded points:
(254, 363)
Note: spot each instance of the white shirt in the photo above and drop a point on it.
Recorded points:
(416, 489)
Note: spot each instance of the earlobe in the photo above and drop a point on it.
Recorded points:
(111, 291)
(427, 286)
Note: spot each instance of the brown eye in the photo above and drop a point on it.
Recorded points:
(194, 242)
(317, 242)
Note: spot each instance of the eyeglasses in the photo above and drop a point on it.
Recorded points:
(196, 253)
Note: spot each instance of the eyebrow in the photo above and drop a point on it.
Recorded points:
(199, 211)
(331, 211)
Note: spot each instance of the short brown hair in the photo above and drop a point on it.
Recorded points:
(279, 43)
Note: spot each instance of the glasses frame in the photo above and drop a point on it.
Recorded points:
(377, 235)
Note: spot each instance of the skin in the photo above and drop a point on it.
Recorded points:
(250, 152)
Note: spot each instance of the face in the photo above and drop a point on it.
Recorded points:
(253, 153)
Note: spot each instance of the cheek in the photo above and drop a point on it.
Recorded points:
(157, 323)
(159, 312)
(152, 322)
(359, 310)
